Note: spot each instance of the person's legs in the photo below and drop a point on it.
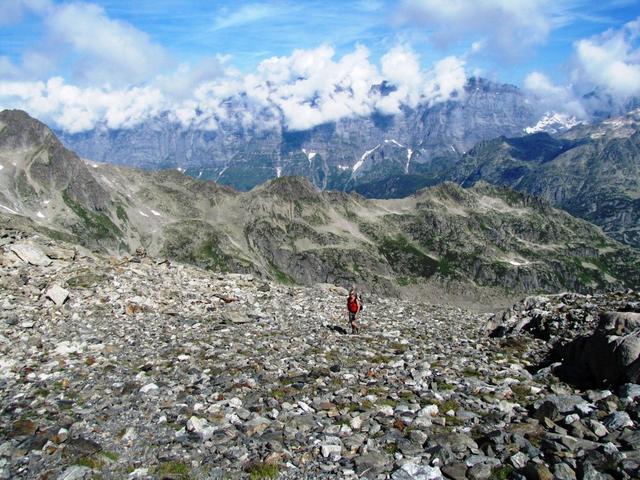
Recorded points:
(352, 320)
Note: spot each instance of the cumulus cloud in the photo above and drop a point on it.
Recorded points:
(551, 97)
(109, 50)
(604, 75)
(610, 61)
(503, 26)
(77, 109)
(401, 68)
(312, 87)
(299, 91)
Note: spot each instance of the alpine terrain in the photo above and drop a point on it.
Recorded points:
(592, 171)
(286, 229)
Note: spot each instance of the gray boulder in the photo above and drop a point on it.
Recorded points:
(610, 356)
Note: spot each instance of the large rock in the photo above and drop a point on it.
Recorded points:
(610, 356)
(31, 254)
(57, 294)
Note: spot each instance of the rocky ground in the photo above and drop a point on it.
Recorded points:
(141, 368)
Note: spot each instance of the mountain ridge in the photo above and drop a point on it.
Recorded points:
(447, 238)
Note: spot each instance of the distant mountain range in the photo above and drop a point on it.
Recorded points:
(288, 229)
(342, 156)
(591, 171)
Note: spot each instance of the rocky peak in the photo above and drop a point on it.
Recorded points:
(19, 130)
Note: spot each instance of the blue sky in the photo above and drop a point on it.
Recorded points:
(165, 50)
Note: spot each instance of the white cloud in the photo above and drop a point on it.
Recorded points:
(109, 50)
(555, 98)
(76, 109)
(604, 75)
(299, 91)
(506, 26)
(245, 14)
(610, 61)
(401, 67)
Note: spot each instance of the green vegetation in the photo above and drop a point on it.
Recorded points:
(122, 214)
(406, 258)
(93, 462)
(262, 470)
(280, 276)
(210, 252)
(99, 224)
(113, 456)
(502, 472)
(176, 470)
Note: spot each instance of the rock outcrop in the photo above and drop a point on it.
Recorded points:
(590, 341)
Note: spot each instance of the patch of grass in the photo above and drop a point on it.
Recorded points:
(175, 469)
(92, 462)
(280, 276)
(470, 372)
(262, 470)
(406, 258)
(380, 359)
(389, 402)
(367, 404)
(41, 392)
(122, 214)
(447, 405)
(445, 386)
(98, 223)
(280, 393)
(113, 456)
(521, 393)
(502, 472)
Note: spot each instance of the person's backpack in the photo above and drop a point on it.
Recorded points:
(352, 304)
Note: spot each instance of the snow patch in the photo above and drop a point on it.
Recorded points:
(395, 142)
(46, 202)
(94, 165)
(157, 214)
(181, 170)
(310, 155)
(553, 123)
(40, 215)
(221, 172)
(278, 172)
(453, 149)
(143, 214)
(200, 174)
(1, 167)
(519, 264)
(409, 153)
(364, 155)
(343, 167)
(9, 210)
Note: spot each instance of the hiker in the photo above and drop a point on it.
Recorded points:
(353, 307)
